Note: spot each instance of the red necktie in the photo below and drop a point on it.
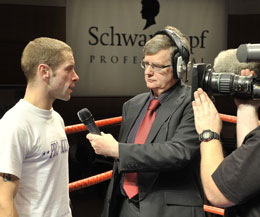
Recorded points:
(130, 182)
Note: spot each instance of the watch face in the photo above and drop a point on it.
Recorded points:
(207, 135)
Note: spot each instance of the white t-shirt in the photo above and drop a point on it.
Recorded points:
(34, 147)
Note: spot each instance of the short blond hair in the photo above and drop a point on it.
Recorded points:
(42, 50)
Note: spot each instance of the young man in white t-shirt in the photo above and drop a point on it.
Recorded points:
(34, 147)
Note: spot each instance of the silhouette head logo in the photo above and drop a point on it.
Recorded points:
(150, 9)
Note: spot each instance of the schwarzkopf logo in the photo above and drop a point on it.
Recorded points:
(113, 37)
(150, 9)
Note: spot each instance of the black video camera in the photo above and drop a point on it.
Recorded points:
(244, 87)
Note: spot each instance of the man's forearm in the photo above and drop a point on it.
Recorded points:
(211, 158)
(8, 210)
(8, 188)
(247, 120)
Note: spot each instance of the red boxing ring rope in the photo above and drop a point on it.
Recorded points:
(81, 127)
(117, 120)
(215, 210)
(107, 175)
(228, 118)
(90, 181)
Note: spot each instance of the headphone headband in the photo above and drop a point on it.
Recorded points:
(180, 59)
(176, 39)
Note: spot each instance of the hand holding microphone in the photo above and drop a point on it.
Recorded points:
(103, 144)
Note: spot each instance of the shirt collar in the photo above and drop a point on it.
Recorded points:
(164, 95)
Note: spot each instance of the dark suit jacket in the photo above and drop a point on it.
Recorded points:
(167, 164)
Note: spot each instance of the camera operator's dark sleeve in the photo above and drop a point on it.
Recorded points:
(238, 176)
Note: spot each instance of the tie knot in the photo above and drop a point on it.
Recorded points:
(153, 104)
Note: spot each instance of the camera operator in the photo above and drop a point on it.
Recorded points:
(233, 181)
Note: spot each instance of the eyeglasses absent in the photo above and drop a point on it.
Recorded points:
(155, 67)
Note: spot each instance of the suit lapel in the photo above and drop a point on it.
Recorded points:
(135, 108)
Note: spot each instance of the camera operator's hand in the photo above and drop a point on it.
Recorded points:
(205, 113)
(255, 103)
(247, 113)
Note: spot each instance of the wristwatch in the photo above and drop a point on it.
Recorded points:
(208, 135)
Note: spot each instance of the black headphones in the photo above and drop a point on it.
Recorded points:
(180, 58)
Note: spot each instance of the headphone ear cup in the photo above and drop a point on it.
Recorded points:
(180, 67)
(176, 68)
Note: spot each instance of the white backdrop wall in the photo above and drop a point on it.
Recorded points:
(107, 38)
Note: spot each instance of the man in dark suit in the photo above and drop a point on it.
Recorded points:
(166, 161)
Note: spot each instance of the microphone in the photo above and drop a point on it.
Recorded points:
(248, 53)
(86, 118)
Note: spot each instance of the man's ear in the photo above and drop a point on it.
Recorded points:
(44, 71)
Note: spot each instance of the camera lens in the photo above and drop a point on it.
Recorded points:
(245, 87)
(229, 84)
